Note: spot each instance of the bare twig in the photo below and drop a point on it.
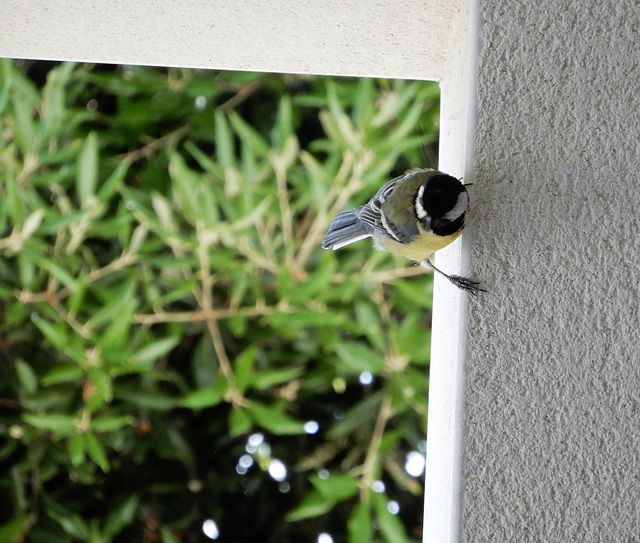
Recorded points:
(212, 314)
(233, 395)
(239, 96)
(382, 276)
(150, 148)
(384, 414)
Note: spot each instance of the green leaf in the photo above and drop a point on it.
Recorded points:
(340, 127)
(27, 377)
(96, 451)
(248, 134)
(164, 212)
(224, 142)
(26, 270)
(239, 421)
(243, 367)
(413, 338)
(62, 374)
(155, 350)
(185, 187)
(121, 297)
(273, 377)
(368, 317)
(24, 127)
(338, 487)
(312, 505)
(146, 400)
(357, 357)
(316, 286)
(359, 416)
(389, 525)
(274, 420)
(101, 391)
(87, 169)
(72, 524)
(54, 422)
(360, 529)
(75, 449)
(110, 424)
(55, 333)
(32, 223)
(113, 341)
(364, 101)
(14, 530)
(391, 106)
(205, 397)
(317, 176)
(283, 128)
(121, 516)
(108, 189)
(416, 292)
(57, 271)
(167, 535)
(204, 363)
(159, 181)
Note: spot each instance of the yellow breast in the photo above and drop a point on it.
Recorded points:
(420, 248)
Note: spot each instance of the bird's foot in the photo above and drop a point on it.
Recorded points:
(472, 287)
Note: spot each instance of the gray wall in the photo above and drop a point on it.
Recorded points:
(552, 418)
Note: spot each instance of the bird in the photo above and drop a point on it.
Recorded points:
(413, 215)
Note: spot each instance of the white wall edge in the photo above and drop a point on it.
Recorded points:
(445, 430)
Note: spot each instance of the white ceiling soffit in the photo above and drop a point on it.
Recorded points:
(386, 38)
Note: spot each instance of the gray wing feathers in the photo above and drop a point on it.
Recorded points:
(345, 229)
(367, 220)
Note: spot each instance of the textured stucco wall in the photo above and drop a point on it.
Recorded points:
(552, 435)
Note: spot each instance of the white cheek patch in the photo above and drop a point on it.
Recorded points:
(421, 212)
(459, 209)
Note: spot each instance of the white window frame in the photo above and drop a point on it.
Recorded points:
(411, 39)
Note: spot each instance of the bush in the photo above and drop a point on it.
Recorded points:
(176, 348)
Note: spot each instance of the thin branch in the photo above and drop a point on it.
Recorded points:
(82, 329)
(382, 276)
(384, 414)
(150, 148)
(239, 96)
(233, 395)
(212, 314)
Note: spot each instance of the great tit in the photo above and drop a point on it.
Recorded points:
(413, 215)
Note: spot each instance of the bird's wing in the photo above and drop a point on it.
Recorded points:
(371, 214)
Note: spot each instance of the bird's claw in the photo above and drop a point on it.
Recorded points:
(472, 287)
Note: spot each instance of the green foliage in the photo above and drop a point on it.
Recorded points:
(170, 325)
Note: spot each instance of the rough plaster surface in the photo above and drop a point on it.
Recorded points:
(552, 438)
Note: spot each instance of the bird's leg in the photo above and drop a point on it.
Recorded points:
(473, 287)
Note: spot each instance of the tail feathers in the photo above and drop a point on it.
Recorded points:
(345, 229)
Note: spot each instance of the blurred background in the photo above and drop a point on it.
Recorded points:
(180, 361)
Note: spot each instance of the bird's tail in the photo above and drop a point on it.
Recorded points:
(345, 229)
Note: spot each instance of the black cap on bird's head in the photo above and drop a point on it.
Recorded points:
(441, 203)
